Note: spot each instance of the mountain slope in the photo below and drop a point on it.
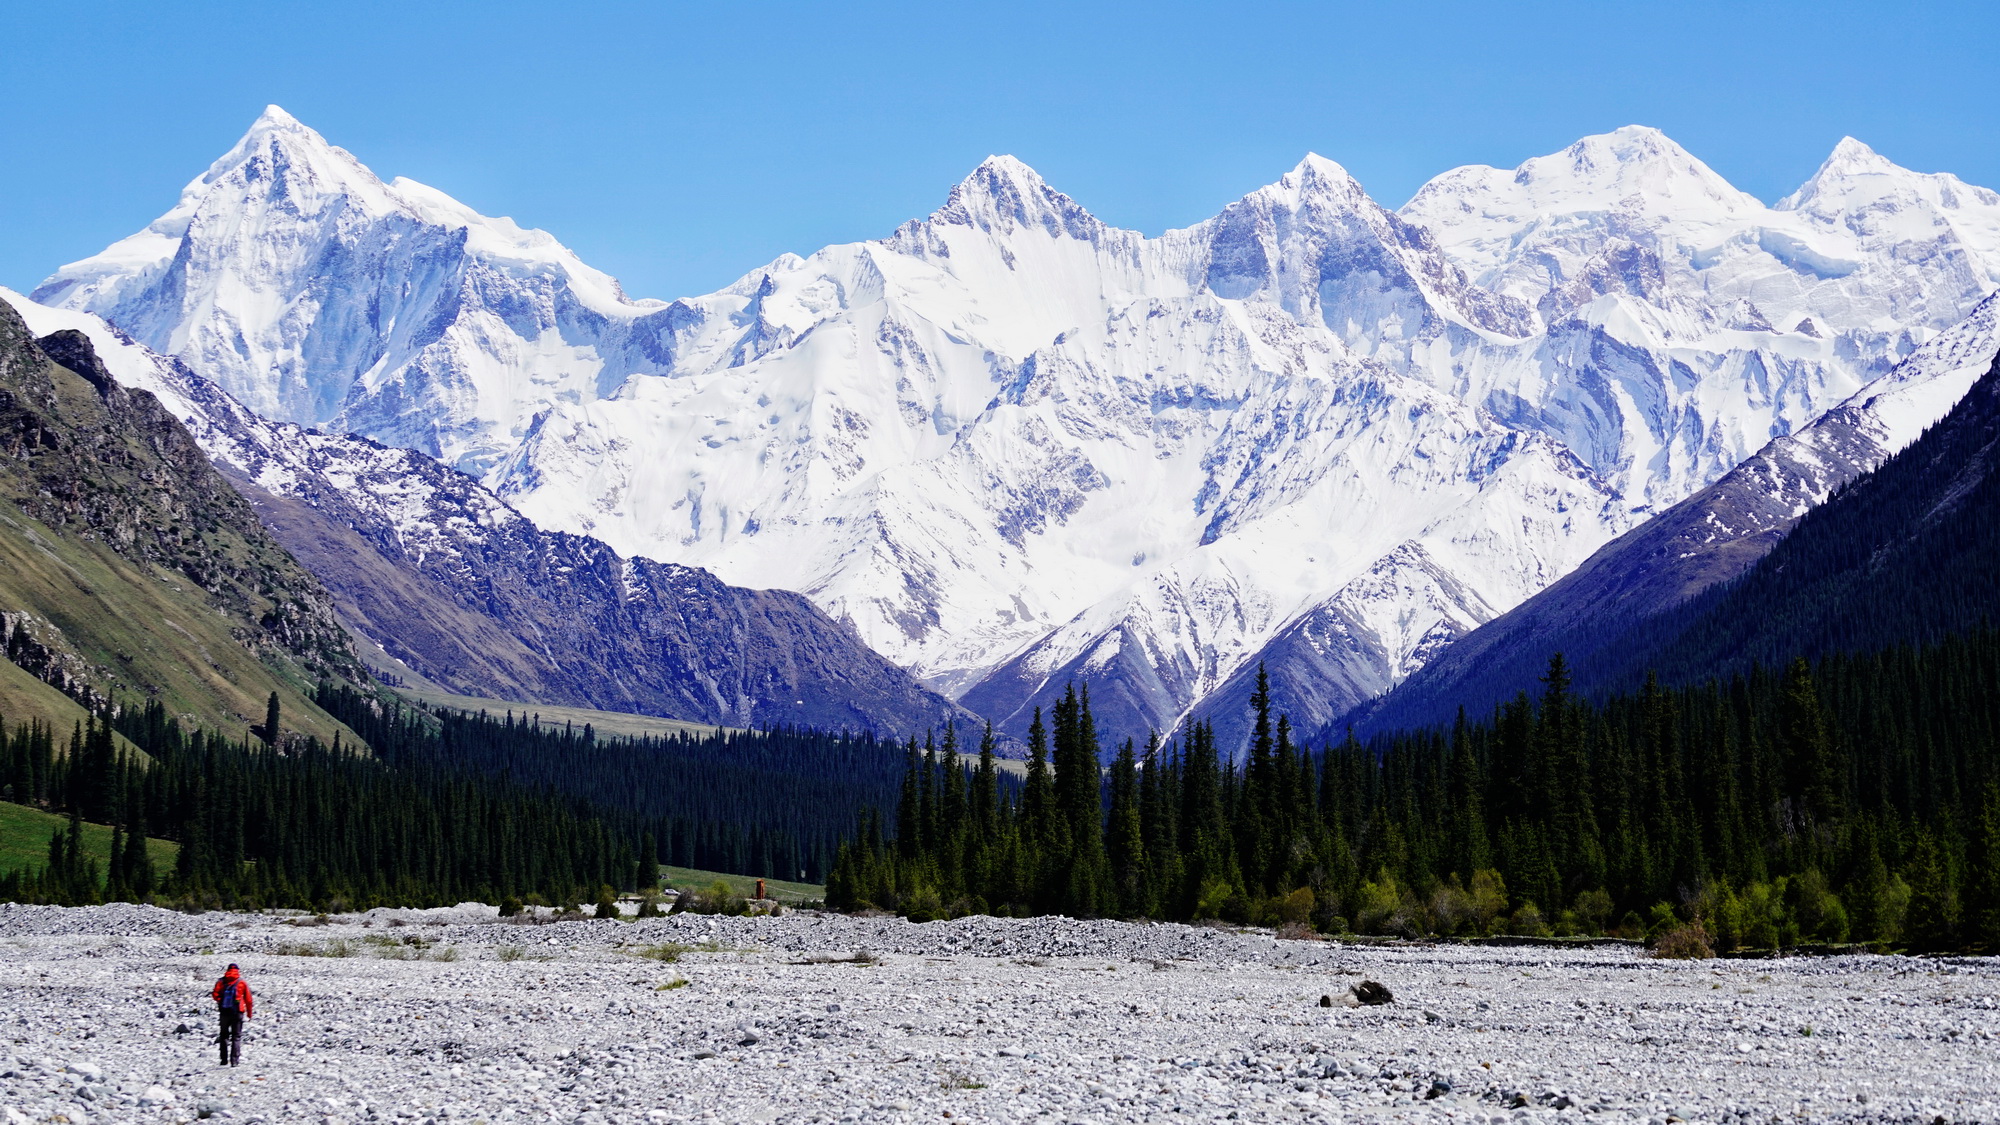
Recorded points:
(1904, 555)
(1601, 614)
(315, 293)
(129, 569)
(455, 586)
(1012, 445)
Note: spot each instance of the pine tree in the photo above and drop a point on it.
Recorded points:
(1932, 923)
(1982, 922)
(646, 877)
(1125, 842)
(271, 716)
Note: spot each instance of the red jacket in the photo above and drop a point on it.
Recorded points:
(234, 979)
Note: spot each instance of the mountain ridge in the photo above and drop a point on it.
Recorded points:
(1705, 542)
(130, 572)
(445, 578)
(1012, 445)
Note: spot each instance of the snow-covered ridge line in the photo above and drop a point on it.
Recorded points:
(1012, 445)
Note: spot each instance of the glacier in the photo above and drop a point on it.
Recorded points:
(1013, 445)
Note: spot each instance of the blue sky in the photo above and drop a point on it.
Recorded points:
(680, 145)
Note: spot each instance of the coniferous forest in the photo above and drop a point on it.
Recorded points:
(1852, 800)
(447, 807)
(772, 803)
(299, 826)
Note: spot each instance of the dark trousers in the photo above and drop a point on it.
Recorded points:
(230, 1039)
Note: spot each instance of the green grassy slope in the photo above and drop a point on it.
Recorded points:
(24, 840)
(23, 697)
(140, 572)
(690, 879)
(619, 723)
(139, 633)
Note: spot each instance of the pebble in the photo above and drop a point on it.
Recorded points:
(776, 1019)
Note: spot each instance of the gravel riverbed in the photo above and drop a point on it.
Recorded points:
(454, 1016)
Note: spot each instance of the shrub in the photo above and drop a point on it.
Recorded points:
(1687, 942)
(1378, 904)
(1489, 899)
(1593, 909)
(1660, 919)
(1213, 899)
(923, 906)
(1820, 913)
(1452, 908)
(1527, 921)
(717, 899)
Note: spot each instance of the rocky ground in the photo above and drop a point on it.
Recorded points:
(455, 1016)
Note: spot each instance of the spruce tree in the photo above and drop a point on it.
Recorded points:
(1982, 921)
(646, 877)
(1125, 842)
(1807, 748)
(1931, 926)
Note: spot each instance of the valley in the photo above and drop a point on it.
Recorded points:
(453, 1015)
(1011, 446)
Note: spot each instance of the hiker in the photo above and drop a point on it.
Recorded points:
(233, 1005)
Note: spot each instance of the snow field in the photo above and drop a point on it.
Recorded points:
(785, 1019)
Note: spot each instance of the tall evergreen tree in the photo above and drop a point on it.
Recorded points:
(271, 717)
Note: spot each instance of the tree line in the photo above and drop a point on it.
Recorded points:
(1856, 799)
(773, 803)
(295, 825)
(444, 806)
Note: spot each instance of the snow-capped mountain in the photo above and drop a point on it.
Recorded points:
(1012, 444)
(448, 584)
(317, 294)
(1592, 614)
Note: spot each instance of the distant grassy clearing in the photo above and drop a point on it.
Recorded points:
(24, 840)
(745, 885)
(603, 722)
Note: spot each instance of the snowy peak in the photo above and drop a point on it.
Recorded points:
(1003, 194)
(1317, 181)
(1854, 176)
(1851, 156)
(1633, 162)
(1635, 170)
(1315, 244)
(1887, 211)
(290, 160)
(317, 294)
(1850, 168)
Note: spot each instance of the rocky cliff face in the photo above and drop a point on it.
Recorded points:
(128, 567)
(95, 461)
(1012, 445)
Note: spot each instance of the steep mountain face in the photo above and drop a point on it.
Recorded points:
(453, 584)
(1012, 445)
(315, 293)
(1904, 556)
(128, 568)
(1689, 321)
(1606, 616)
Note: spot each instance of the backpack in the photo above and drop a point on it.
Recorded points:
(229, 994)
